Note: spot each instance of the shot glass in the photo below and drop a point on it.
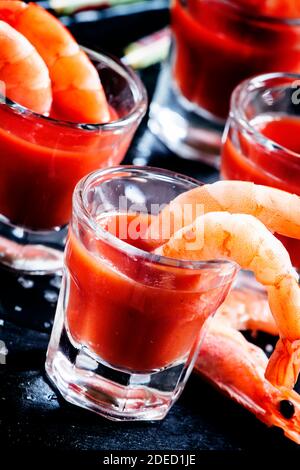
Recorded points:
(262, 137)
(216, 45)
(129, 323)
(43, 158)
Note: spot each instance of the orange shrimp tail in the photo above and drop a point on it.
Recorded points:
(284, 364)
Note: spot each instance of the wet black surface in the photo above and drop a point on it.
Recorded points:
(32, 416)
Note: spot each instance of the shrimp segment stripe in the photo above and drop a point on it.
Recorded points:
(77, 91)
(23, 72)
(277, 209)
(245, 240)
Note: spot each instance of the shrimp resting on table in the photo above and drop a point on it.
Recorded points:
(237, 368)
(264, 387)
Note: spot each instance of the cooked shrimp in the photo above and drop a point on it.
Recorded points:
(246, 241)
(23, 72)
(237, 368)
(277, 209)
(29, 257)
(248, 309)
(77, 91)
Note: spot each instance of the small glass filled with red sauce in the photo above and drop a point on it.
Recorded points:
(42, 159)
(216, 45)
(129, 322)
(262, 137)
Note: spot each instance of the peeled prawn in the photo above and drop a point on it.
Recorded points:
(237, 368)
(248, 309)
(245, 240)
(77, 91)
(23, 72)
(277, 209)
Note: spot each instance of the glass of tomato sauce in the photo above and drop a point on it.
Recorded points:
(42, 159)
(216, 45)
(129, 322)
(262, 137)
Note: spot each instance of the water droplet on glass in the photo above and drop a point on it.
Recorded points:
(51, 296)
(51, 397)
(26, 283)
(18, 232)
(269, 348)
(56, 282)
(30, 398)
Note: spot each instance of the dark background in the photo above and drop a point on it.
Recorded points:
(32, 416)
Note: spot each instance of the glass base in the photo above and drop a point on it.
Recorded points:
(34, 252)
(186, 129)
(85, 380)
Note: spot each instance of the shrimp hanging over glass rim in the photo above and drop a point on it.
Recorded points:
(245, 240)
(23, 72)
(77, 91)
(277, 209)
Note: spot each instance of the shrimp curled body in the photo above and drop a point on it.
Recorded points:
(23, 72)
(245, 240)
(77, 91)
(277, 209)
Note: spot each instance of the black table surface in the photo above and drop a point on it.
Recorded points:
(32, 415)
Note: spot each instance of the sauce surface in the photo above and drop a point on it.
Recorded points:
(217, 46)
(42, 162)
(133, 314)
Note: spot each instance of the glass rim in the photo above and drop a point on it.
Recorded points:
(238, 115)
(135, 83)
(123, 246)
(275, 20)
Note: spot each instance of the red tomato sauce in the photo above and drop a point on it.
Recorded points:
(131, 313)
(261, 165)
(41, 162)
(218, 45)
